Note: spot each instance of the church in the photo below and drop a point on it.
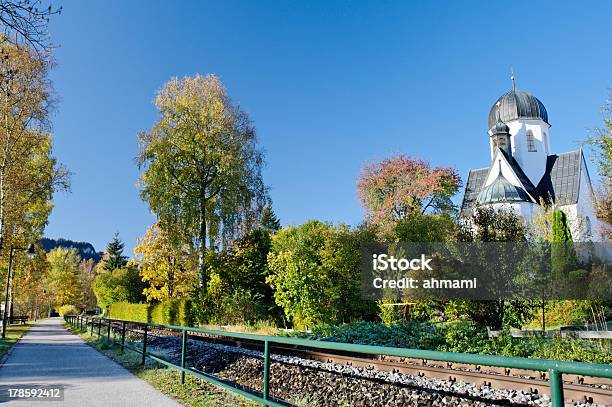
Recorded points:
(524, 174)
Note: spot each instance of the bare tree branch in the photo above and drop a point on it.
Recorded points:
(26, 21)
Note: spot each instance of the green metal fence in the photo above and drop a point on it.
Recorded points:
(554, 368)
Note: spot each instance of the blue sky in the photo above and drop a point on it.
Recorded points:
(330, 85)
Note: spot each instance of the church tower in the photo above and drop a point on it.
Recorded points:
(527, 121)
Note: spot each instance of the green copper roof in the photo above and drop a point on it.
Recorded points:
(501, 190)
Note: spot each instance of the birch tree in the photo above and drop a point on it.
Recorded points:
(28, 172)
(201, 166)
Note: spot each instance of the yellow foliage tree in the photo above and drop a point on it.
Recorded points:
(168, 269)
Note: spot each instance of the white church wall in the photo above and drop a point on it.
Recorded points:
(574, 221)
(533, 163)
(581, 216)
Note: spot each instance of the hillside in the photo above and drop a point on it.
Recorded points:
(86, 250)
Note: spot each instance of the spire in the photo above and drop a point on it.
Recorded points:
(512, 77)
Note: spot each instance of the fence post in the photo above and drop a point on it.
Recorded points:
(99, 326)
(91, 323)
(266, 379)
(183, 353)
(109, 329)
(122, 336)
(81, 322)
(556, 388)
(144, 344)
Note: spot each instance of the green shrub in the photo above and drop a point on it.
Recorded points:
(464, 337)
(172, 312)
(408, 334)
(563, 313)
(169, 312)
(572, 349)
(241, 307)
(130, 312)
(68, 310)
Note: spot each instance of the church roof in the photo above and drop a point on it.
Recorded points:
(500, 128)
(560, 183)
(517, 104)
(476, 179)
(501, 190)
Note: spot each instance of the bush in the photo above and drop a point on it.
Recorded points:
(241, 307)
(172, 312)
(130, 311)
(68, 310)
(315, 272)
(463, 336)
(169, 312)
(408, 334)
(120, 285)
(568, 312)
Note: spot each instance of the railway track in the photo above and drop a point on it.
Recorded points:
(576, 388)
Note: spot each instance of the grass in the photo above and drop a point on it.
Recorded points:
(13, 333)
(194, 393)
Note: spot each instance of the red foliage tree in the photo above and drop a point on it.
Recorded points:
(395, 187)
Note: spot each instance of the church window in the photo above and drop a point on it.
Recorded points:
(530, 142)
(545, 142)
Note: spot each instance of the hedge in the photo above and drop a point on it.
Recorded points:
(68, 310)
(169, 312)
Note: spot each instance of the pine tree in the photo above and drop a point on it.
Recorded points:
(114, 258)
(269, 220)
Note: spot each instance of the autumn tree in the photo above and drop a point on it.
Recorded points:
(86, 276)
(62, 278)
(29, 175)
(486, 225)
(601, 143)
(29, 291)
(164, 265)
(201, 167)
(395, 187)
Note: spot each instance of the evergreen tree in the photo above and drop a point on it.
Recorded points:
(560, 228)
(269, 220)
(563, 254)
(114, 258)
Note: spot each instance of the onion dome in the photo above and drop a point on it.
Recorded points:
(501, 190)
(500, 128)
(517, 104)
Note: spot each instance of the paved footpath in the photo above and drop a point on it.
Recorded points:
(50, 355)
